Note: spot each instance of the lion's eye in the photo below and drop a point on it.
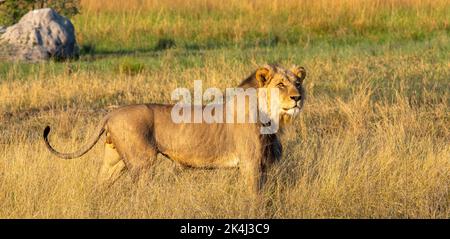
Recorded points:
(280, 85)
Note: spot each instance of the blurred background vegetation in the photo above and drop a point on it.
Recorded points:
(12, 10)
(201, 24)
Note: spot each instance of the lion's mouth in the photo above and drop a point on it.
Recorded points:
(297, 106)
(293, 111)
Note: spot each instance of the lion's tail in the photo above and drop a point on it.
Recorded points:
(88, 146)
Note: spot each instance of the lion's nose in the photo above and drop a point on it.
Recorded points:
(296, 97)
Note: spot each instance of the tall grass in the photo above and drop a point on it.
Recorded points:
(373, 140)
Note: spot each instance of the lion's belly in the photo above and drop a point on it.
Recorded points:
(196, 145)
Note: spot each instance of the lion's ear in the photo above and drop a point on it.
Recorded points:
(299, 71)
(263, 75)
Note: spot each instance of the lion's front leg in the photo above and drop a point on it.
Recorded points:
(253, 174)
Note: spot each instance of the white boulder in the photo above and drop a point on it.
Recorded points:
(41, 34)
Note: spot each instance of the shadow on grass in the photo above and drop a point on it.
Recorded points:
(90, 52)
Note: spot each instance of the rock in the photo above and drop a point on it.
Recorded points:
(41, 34)
(2, 29)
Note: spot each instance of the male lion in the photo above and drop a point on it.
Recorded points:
(135, 134)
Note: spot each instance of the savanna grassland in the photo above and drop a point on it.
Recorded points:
(373, 140)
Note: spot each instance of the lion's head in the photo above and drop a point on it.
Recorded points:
(290, 85)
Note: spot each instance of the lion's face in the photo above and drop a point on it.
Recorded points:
(289, 84)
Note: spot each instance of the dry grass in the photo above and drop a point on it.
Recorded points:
(373, 140)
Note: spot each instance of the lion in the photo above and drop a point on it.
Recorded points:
(136, 134)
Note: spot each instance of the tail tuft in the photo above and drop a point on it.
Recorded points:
(46, 131)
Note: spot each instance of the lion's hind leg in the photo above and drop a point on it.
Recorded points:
(112, 168)
(141, 163)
